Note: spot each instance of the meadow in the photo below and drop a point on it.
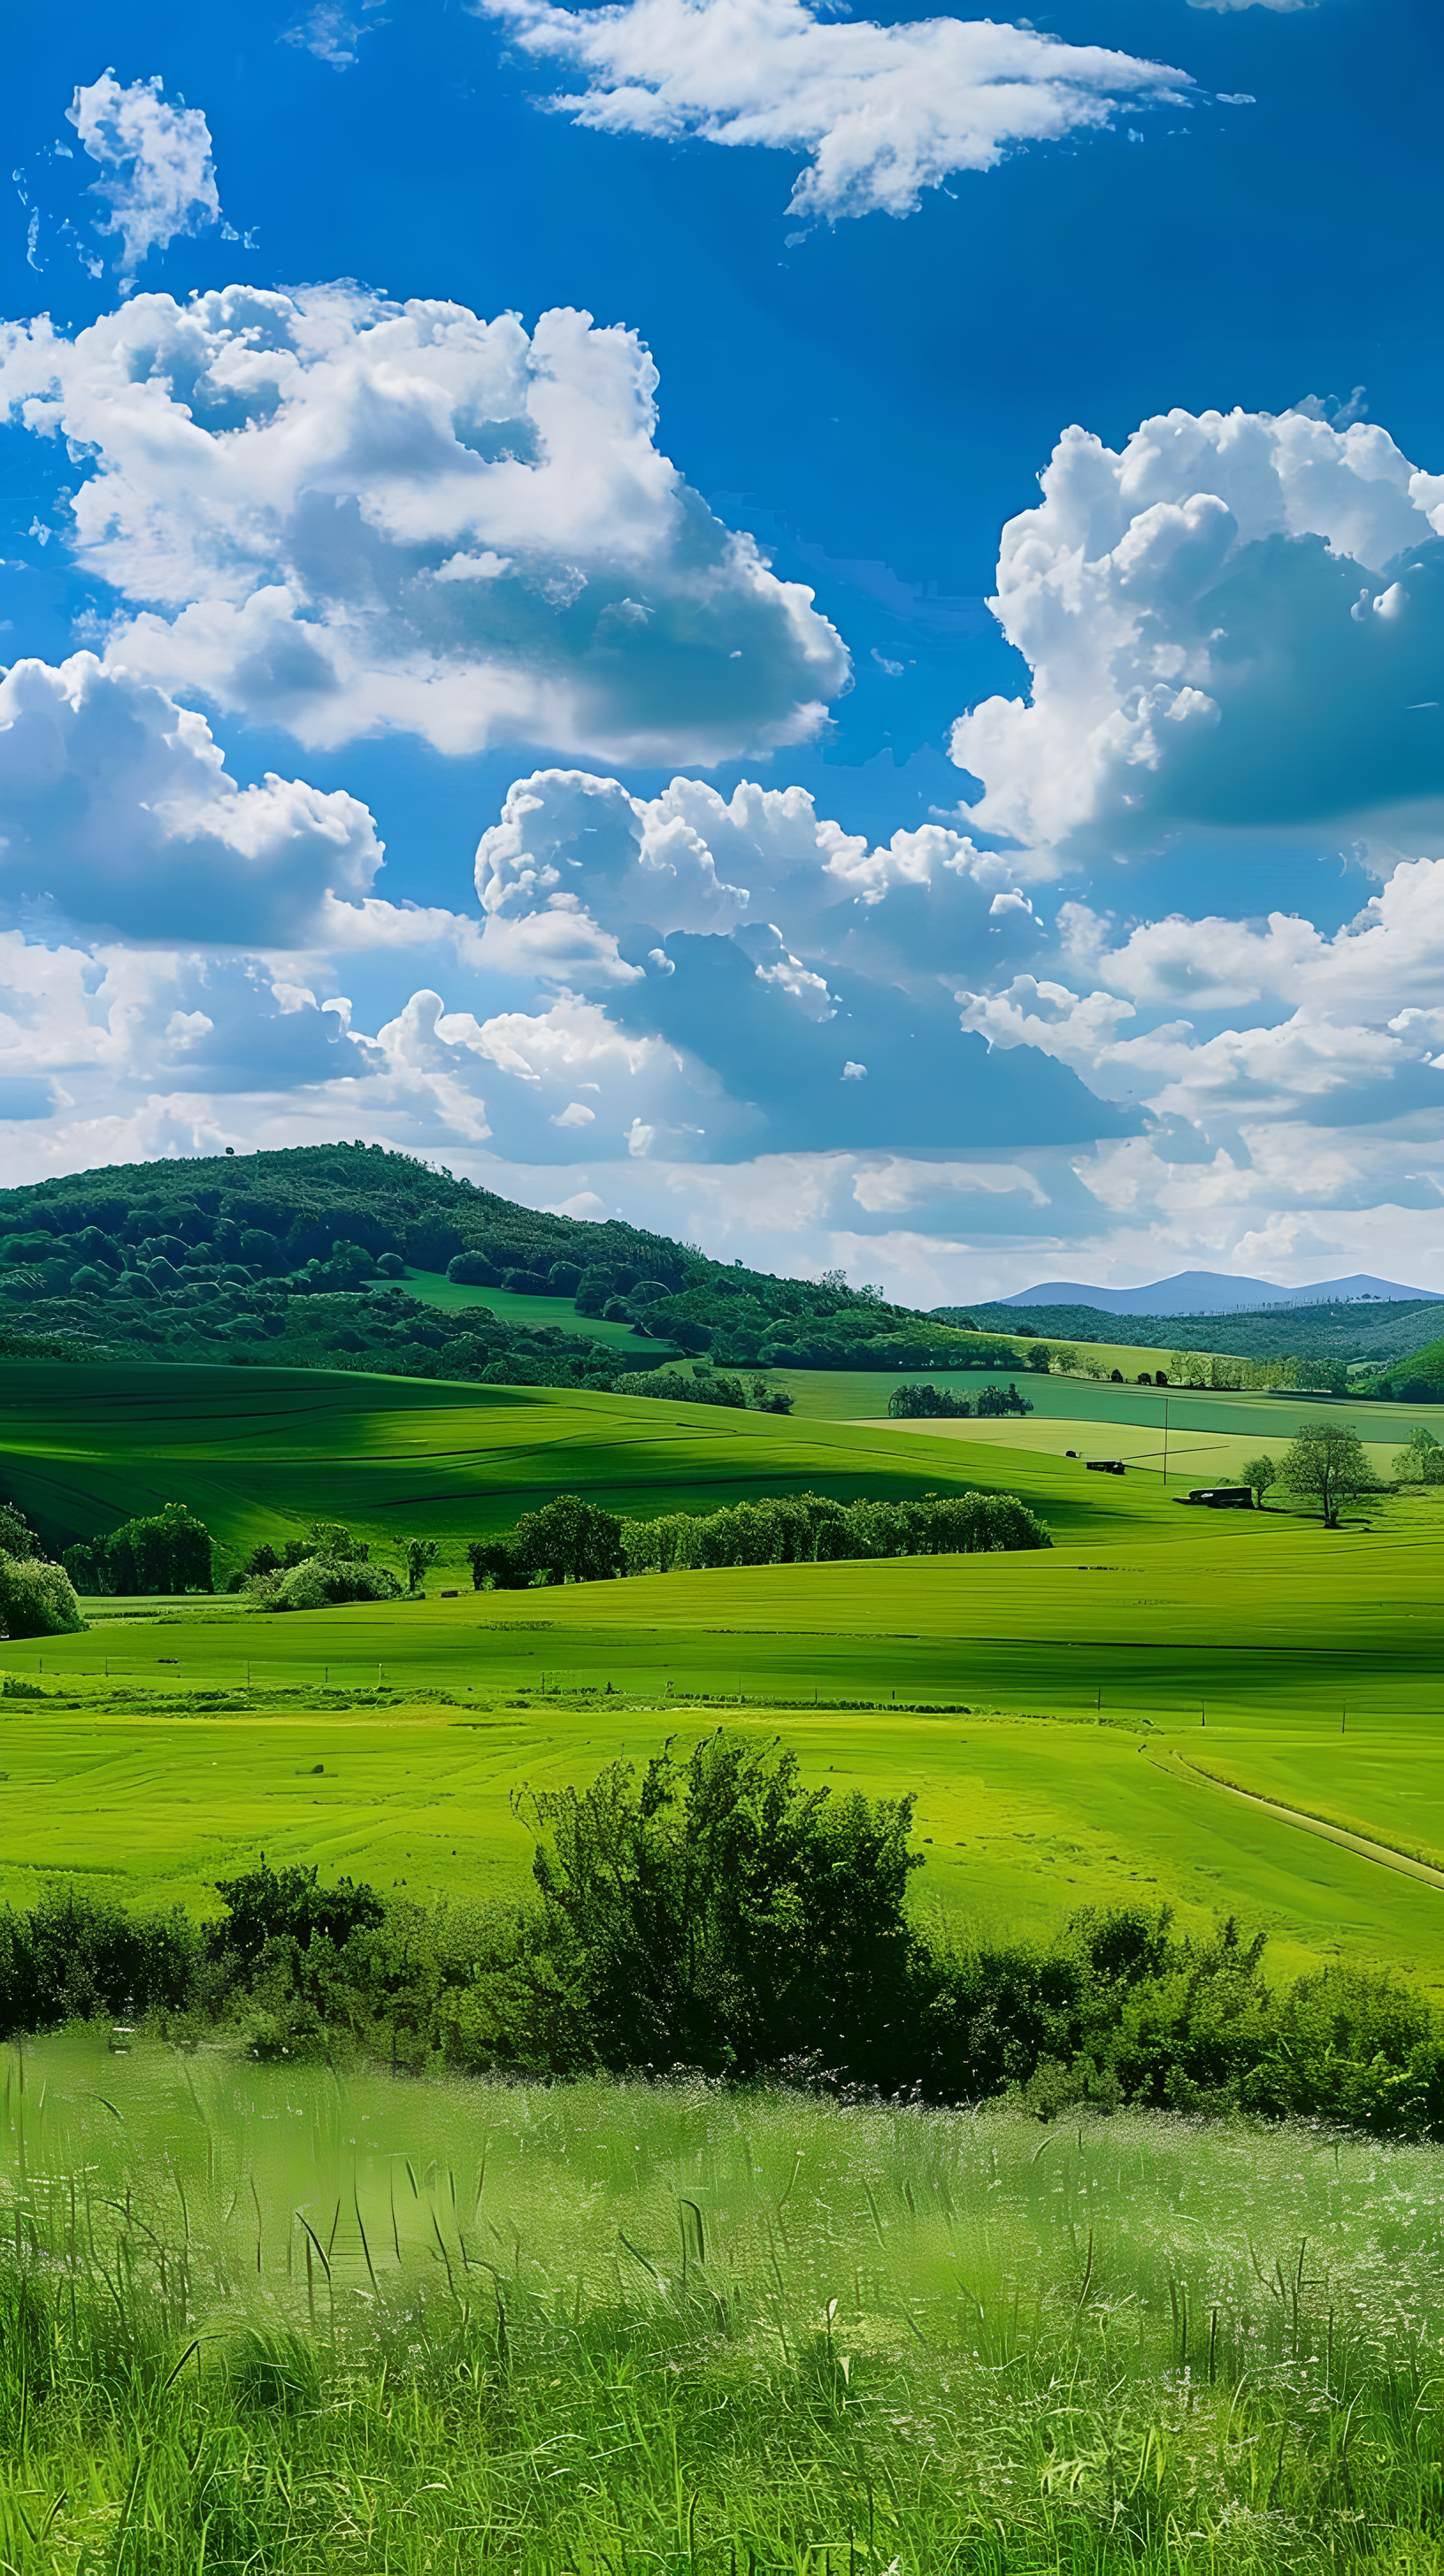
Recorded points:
(1065, 1718)
(272, 2317)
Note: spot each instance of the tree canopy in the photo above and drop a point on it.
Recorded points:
(1327, 1460)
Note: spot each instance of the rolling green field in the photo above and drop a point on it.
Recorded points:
(258, 1451)
(1064, 1717)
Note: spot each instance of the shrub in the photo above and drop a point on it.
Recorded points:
(37, 1599)
(269, 1905)
(468, 1270)
(715, 1914)
(74, 1956)
(320, 1582)
(525, 1283)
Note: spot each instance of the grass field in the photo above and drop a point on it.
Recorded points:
(536, 1313)
(260, 2317)
(257, 1451)
(1089, 1690)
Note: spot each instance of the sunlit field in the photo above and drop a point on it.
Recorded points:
(267, 2317)
(1064, 1718)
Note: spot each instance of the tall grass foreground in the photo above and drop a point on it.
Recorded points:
(266, 2318)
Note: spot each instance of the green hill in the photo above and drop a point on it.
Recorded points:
(1417, 1378)
(303, 1257)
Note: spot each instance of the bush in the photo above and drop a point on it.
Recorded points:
(287, 1905)
(715, 1914)
(75, 1956)
(525, 1283)
(37, 1599)
(321, 1582)
(471, 1270)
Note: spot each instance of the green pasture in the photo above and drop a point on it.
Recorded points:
(258, 1451)
(536, 1313)
(1050, 1712)
(1056, 1713)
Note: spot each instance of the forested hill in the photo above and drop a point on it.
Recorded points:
(301, 1201)
(335, 1255)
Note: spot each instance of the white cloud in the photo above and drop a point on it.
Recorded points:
(116, 807)
(332, 32)
(884, 111)
(1285, 7)
(1236, 620)
(580, 878)
(286, 491)
(1331, 1028)
(164, 180)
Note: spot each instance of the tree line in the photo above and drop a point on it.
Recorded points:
(570, 1540)
(942, 1404)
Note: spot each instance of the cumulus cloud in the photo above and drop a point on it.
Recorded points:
(163, 179)
(116, 807)
(341, 515)
(1237, 620)
(1283, 1023)
(580, 874)
(803, 967)
(884, 111)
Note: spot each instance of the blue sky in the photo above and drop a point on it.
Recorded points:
(744, 870)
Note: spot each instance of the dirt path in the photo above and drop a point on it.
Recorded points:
(1366, 1850)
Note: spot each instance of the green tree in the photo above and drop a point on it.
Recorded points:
(332, 1538)
(420, 1552)
(165, 1551)
(1259, 1473)
(571, 1540)
(1420, 1463)
(1040, 1357)
(1327, 1460)
(17, 1538)
(715, 1914)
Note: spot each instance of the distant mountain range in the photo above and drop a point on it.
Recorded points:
(1212, 1292)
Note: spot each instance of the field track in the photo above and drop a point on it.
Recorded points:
(1387, 1858)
